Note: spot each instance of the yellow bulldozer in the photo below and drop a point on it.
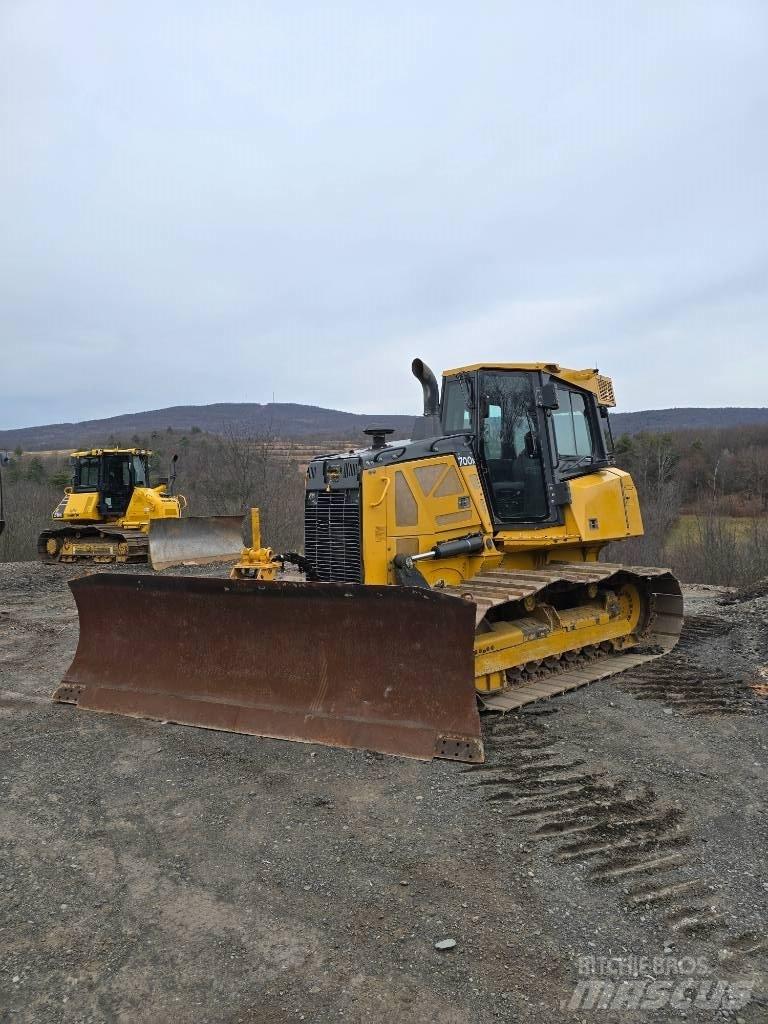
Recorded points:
(454, 570)
(111, 513)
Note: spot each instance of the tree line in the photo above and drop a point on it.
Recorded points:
(704, 494)
(704, 499)
(722, 469)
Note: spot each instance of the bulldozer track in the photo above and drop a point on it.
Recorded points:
(541, 679)
(620, 832)
(542, 682)
(489, 589)
(135, 541)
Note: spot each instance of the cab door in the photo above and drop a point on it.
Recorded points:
(116, 486)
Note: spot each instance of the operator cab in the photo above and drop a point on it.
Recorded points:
(534, 431)
(113, 474)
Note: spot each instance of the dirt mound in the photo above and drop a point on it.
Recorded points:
(747, 593)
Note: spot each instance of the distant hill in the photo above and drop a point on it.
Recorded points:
(302, 422)
(660, 421)
(283, 419)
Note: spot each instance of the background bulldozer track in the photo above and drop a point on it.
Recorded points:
(156, 873)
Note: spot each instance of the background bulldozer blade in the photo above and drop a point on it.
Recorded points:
(194, 540)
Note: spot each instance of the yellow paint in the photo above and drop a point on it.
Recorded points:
(256, 562)
(109, 451)
(429, 507)
(589, 380)
(82, 507)
(612, 616)
(147, 503)
(603, 508)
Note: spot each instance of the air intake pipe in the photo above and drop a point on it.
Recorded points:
(427, 425)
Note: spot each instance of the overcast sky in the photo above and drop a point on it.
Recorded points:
(222, 201)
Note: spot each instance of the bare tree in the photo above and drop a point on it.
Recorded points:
(652, 460)
(28, 507)
(236, 470)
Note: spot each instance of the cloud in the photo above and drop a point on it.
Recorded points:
(209, 204)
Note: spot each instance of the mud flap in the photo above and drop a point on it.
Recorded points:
(373, 667)
(194, 540)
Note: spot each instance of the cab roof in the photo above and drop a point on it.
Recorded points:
(590, 380)
(95, 452)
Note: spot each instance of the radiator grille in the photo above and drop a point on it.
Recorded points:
(332, 535)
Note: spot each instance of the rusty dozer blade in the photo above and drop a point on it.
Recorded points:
(373, 667)
(194, 540)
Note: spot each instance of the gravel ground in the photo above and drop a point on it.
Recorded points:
(158, 873)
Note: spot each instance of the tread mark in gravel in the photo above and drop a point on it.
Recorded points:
(749, 942)
(700, 628)
(678, 683)
(622, 832)
(678, 680)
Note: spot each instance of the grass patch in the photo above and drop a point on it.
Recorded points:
(723, 550)
(688, 526)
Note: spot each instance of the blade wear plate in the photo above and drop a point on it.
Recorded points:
(374, 667)
(195, 540)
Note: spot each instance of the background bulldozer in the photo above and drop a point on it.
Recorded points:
(461, 563)
(110, 513)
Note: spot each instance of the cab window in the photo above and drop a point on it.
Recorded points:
(572, 434)
(456, 415)
(117, 474)
(139, 472)
(87, 474)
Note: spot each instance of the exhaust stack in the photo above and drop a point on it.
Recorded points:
(427, 425)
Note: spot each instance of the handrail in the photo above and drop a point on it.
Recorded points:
(387, 482)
